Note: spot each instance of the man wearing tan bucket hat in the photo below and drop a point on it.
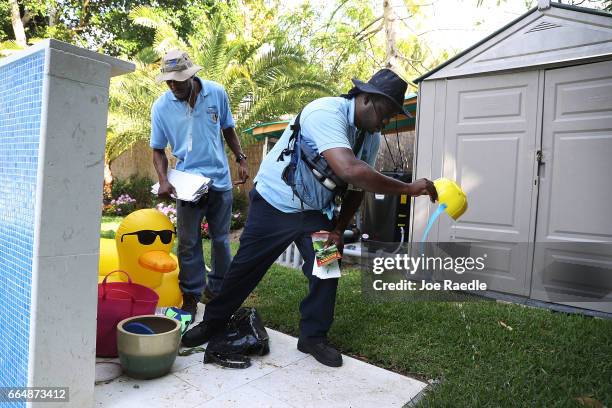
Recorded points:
(191, 117)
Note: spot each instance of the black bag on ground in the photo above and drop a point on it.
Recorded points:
(244, 335)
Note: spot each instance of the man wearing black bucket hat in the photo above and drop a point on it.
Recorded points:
(288, 206)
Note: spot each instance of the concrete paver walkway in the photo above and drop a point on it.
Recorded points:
(285, 378)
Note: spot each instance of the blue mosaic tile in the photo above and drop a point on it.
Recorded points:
(21, 86)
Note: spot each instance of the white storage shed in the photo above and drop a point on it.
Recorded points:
(523, 121)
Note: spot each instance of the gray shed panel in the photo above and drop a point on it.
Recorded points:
(542, 84)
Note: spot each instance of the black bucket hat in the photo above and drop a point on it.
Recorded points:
(388, 84)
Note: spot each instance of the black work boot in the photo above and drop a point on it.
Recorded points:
(198, 335)
(322, 351)
(190, 305)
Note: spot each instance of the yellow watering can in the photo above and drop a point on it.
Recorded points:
(452, 196)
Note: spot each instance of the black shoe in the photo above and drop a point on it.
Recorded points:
(190, 305)
(208, 295)
(198, 335)
(322, 351)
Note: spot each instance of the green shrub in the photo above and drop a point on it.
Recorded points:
(121, 206)
(240, 209)
(119, 187)
(138, 188)
(241, 201)
(238, 220)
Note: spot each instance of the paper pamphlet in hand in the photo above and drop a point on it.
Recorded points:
(188, 186)
(326, 259)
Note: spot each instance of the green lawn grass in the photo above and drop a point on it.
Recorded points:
(491, 355)
(483, 354)
(109, 225)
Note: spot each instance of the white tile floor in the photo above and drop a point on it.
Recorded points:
(285, 378)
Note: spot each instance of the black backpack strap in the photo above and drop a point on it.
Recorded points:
(227, 360)
(359, 142)
(295, 127)
(296, 130)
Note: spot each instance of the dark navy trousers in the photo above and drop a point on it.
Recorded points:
(267, 233)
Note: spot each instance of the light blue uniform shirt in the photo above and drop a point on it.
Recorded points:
(329, 122)
(195, 135)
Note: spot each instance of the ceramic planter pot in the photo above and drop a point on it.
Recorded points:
(146, 356)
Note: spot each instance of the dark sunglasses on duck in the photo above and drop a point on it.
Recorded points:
(147, 237)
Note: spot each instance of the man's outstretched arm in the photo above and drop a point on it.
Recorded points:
(358, 173)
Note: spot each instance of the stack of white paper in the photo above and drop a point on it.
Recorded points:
(188, 186)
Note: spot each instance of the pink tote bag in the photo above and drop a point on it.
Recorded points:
(118, 301)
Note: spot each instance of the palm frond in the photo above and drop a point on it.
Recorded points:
(263, 82)
(147, 17)
(146, 56)
(285, 96)
(166, 36)
(212, 55)
(272, 63)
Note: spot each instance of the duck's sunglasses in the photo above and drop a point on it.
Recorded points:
(147, 237)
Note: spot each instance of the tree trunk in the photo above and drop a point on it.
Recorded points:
(52, 8)
(390, 19)
(20, 37)
(84, 17)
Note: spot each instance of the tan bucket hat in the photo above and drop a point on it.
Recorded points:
(177, 66)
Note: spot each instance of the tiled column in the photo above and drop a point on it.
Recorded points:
(53, 112)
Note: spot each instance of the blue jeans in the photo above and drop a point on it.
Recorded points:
(217, 209)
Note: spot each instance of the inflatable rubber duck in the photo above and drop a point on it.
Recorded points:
(142, 248)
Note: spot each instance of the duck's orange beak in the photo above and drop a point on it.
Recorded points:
(158, 261)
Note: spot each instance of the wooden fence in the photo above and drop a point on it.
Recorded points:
(139, 159)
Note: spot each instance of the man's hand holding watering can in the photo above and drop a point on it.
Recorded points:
(424, 187)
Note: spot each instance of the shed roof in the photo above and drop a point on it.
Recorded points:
(579, 33)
